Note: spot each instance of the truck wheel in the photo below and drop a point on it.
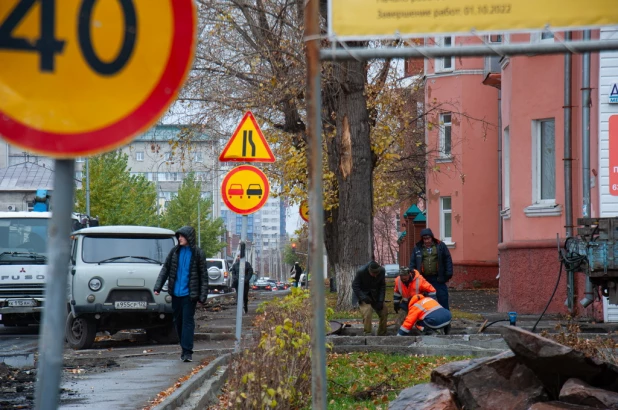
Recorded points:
(80, 332)
(163, 334)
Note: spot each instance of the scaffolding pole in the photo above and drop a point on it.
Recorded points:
(504, 50)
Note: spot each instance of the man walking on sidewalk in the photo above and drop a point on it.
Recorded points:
(369, 286)
(185, 271)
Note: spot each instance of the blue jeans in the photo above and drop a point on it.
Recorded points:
(184, 312)
(436, 319)
(441, 291)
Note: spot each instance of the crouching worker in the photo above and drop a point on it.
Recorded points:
(425, 315)
(369, 286)
(408, 284)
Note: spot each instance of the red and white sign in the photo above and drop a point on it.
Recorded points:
(613, 155)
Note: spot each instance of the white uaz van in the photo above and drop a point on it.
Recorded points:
(113, 271)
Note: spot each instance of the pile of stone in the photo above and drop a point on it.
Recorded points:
(537, 374)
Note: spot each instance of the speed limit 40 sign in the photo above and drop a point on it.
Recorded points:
(79, 77)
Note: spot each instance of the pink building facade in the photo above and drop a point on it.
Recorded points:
(462, 199)
(498, 198)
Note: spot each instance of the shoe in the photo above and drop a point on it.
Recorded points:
(182, 357)
(245, 309)
(188, 358)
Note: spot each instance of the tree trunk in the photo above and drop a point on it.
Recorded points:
(350, 159)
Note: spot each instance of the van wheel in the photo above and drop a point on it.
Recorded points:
(163, 334)
(80, 332)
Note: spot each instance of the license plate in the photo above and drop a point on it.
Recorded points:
(22, 302)
(130, 305)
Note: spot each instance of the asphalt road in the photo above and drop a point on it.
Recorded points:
(126, 371)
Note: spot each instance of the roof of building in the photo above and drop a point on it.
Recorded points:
(412, 211)
(25, 177)
(420, 218)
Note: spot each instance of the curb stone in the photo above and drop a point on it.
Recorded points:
(198, 380)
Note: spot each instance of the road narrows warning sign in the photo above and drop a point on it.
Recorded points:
(247, 143)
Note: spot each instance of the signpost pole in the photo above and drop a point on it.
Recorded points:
(316, 224)
(241, 282)
(51, 341)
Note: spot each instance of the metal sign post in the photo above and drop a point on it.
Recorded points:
(51, 341)
(316, 224)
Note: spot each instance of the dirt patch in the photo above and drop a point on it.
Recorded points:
(474, 301)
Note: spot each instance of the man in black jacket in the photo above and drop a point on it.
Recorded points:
(296, 271)
(369, 286)
(433, 260)
(185, 271)
(235, 278)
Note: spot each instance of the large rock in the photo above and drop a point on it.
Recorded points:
(554, 363)
(443, 375)
(501, 382)
(558, 405)
(576, 391)
(427, 396)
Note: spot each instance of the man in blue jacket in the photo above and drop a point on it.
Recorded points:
(433, 260)
(185, 271)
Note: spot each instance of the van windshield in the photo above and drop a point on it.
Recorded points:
(96, 249)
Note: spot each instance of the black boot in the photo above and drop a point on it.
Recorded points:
(245, 309)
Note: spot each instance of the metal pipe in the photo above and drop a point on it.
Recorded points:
(240, 292)
(316, 223)
(51, 341)
(467, 51)
(568, 168)
(500, 173)
(588, 294)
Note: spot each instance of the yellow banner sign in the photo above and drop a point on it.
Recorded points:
(363, 19)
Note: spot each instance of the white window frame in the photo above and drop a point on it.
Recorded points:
(167, 156)
(139, 156)
(439, 62)
(548, 206)
(444, 213)
(80, 159)
(506, 172)
(538, 37)
(198, 157)
(444, 125)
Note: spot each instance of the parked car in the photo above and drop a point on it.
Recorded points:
(392, 270)
(262, 284)
(282, 285)
(112, 275)
(219, 276)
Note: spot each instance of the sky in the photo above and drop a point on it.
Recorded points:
(293, 220)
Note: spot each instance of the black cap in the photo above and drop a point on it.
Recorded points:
(374, 267)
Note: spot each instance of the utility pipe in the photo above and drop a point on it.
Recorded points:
(568, 168)
(500, 162)
(588, 294)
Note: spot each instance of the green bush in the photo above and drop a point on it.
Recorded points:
(275, 372)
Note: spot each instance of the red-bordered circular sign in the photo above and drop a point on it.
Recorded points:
(80, 77)
(245, 189)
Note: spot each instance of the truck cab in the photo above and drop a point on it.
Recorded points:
(23, 266)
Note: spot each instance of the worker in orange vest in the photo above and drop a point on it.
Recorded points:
(425, 315)
(406, 286)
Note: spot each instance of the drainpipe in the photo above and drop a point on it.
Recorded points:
(500, 167)
(588, 295)
(568, 169)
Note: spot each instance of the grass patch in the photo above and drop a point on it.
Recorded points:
(372, 380)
